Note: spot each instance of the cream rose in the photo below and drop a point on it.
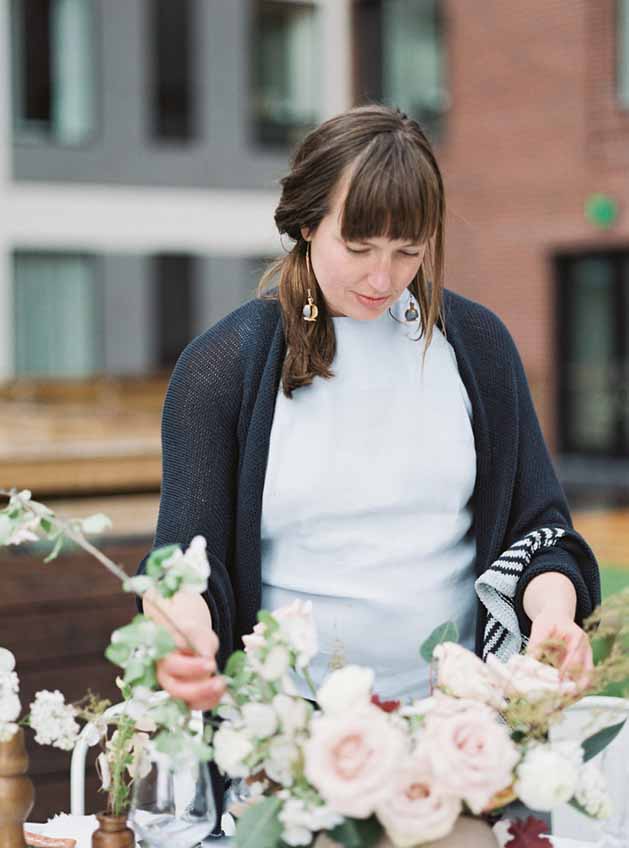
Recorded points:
(351, 759)
(231, 748)
(417, 809)
(523, 675)
(347, 688)
(462, 674)
(471, 753)
(548, 776)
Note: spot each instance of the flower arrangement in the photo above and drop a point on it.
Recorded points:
(145, 725)
(357, 766)
(343, 763)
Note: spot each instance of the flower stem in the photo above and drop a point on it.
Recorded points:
(79, 539)
(309, 681)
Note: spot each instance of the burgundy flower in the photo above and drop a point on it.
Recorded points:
(527, 833)
(385, 706)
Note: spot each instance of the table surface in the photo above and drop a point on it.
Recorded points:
(80, 828)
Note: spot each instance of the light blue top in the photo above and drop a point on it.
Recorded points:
(366, 505)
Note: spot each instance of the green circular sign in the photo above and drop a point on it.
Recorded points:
(601, 210)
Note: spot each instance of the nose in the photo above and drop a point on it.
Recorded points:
(380, 280)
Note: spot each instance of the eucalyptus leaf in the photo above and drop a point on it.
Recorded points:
(156, 559)
(593, 745)
(235, 663)
(446, 632)
(357, 833)
(55, 550)
(574, 803)
(259, 826)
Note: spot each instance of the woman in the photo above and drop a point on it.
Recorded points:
(365, 439)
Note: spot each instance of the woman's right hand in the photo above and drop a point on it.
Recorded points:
(192, 678)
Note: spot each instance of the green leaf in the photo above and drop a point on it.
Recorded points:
(117, 653)
(259, 826)
(447, 632)
(357, 833)
(271, 625)
(593, 745)
(574, 803)
(235, 663)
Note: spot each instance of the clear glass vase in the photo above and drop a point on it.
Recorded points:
(173, 808)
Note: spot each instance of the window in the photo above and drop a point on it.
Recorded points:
(171, 90)
(622, 51)
(175, 278)
(53, 70)
(284, 90)
(400, 58)
(593, 310)
(57, 307)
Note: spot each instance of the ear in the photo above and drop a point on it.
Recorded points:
(306, 233)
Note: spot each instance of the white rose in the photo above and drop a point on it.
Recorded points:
(260, 720)
(231, 748)
(352, 758)
(293, 713)
(281, 759)
(7, 661)
(523, 675)
(464, 675)
(346, 689)
(274, 666)
(301, 820)
(546, 778)
(417, 809)
(591, 791)
(298, 628)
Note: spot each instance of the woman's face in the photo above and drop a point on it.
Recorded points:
(359, 279)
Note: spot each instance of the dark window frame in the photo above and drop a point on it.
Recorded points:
(564, 268)
(25, 133)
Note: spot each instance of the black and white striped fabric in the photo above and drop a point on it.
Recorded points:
(496, 590)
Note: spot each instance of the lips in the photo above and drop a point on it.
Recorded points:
(373, 299)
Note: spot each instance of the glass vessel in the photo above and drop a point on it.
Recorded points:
(173, 808)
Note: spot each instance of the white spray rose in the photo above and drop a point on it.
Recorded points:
(301, 820)
(281, 760)
(591, 791)
(231, 748)
(298, 628)
(546, 777)
(346, 690)
(523, 675)
(274, 666)
(293, 713)
(260, 720)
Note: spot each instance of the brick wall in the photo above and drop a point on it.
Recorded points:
(535, 128)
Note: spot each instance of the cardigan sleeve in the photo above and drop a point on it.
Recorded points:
(538, 502)
(199, 466)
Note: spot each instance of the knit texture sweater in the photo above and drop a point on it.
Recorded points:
(216, 428)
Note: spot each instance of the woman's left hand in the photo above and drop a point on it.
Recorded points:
(575, 660)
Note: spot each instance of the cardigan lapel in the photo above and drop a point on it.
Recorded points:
(253, 465)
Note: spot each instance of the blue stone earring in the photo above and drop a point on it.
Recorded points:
(411, 313)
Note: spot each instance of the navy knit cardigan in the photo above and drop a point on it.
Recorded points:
(215, 437)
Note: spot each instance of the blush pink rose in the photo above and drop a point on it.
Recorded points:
(471, 753)
(253, 641)
(417, 809)
(462, 674)
(352, 759)
(523, 675)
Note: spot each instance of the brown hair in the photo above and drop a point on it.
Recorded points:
(395, 191)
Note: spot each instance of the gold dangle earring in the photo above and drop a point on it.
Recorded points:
(310, 310)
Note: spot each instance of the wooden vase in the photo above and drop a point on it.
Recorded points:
(16, 791)
(467, 832)
(112, 832)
